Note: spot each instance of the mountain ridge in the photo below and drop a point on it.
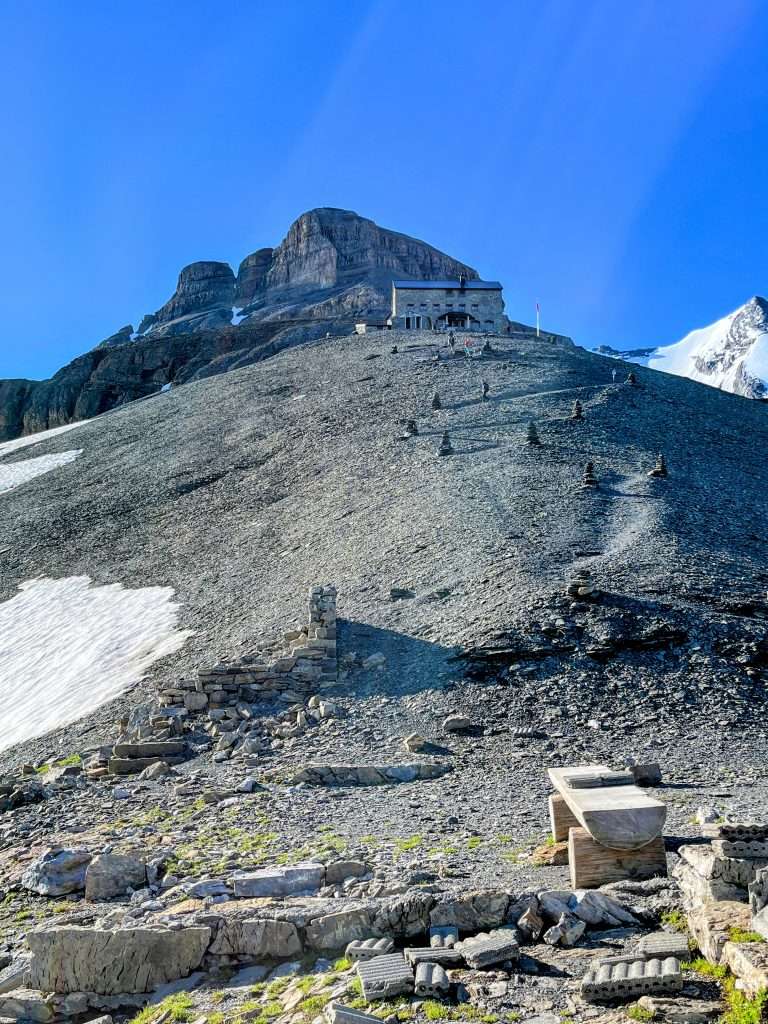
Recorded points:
(332, 266)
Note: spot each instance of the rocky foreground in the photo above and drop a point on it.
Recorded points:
(230, 826)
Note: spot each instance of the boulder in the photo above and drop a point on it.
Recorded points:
(457, 723)
(57, 872)
(112, 874)
(335, 931)
(109, 961)
(339, 870)
(404, 916)
(711, 924)
(566, 932)
(26, 1005)
(473, 911)
(260, 939)
(749, 962)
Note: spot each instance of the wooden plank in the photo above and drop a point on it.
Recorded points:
(592, 865)
(561, 818)
(619, 817)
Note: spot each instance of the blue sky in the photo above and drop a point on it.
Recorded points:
(607, 158)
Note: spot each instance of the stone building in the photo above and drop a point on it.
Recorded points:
(466, 305)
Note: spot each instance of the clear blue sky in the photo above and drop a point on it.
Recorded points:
(609, 158)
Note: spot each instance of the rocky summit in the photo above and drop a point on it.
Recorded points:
(291, 656)
(332, 267)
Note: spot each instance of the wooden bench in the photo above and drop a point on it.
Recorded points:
(613, 828)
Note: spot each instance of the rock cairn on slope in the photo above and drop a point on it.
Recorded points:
(578, 411)
(532, 434)
(589, 480)
(446, 448)
(631, 379)
(436, 403)
(660, 469)
(485, 387)
(411, 428)
(581, 585)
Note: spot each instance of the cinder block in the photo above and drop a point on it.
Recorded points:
(385, 976)
(488, 948)
(431, 980)
(443, 936)
(660, 945)
(367, 949)
(446, 957)
(621, 979)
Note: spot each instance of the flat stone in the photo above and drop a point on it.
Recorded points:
(385, 976)
(681, 1011)
(457, 723)
(337, 1013)
(298, 879)
(16, 974)
(339, 870)
(150, 748)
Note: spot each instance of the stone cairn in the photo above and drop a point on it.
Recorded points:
(305, 663)
(631, 379)
(581, 586)
(446, 448)
(589, 480)
(532, 434)
(436, 403)
(660, 469)
(578, 411)
(411, 429)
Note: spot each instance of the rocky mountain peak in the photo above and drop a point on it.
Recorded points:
(201, 286)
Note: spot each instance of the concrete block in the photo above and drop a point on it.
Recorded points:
(444, 936)
(337, 1013)
(625, 980)
(660, 945)
(385, 976)
(431, 980)
(367, 949)
(447, 956)
(489, 948)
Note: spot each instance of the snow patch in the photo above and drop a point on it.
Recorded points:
(14, 474)
(236, 318)
(6, 447)
(68, 646)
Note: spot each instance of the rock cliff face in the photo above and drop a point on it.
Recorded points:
(332, 266)
(201, 286)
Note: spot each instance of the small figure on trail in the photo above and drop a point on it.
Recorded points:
(485, 387)
(393, 350)
(446, 448)
(451, 340)
(660, 469)
(436, 403)
(578, 412)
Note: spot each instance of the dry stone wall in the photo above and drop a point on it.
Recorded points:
(303, 662)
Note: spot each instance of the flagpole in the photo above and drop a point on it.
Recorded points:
(538, 313)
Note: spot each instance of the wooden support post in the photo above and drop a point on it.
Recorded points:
(561, 818)
(592, 865)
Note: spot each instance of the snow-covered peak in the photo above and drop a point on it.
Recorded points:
(730, 354)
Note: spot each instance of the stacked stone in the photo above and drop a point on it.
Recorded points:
(581, 585)
(309, 665)
(589, 479)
